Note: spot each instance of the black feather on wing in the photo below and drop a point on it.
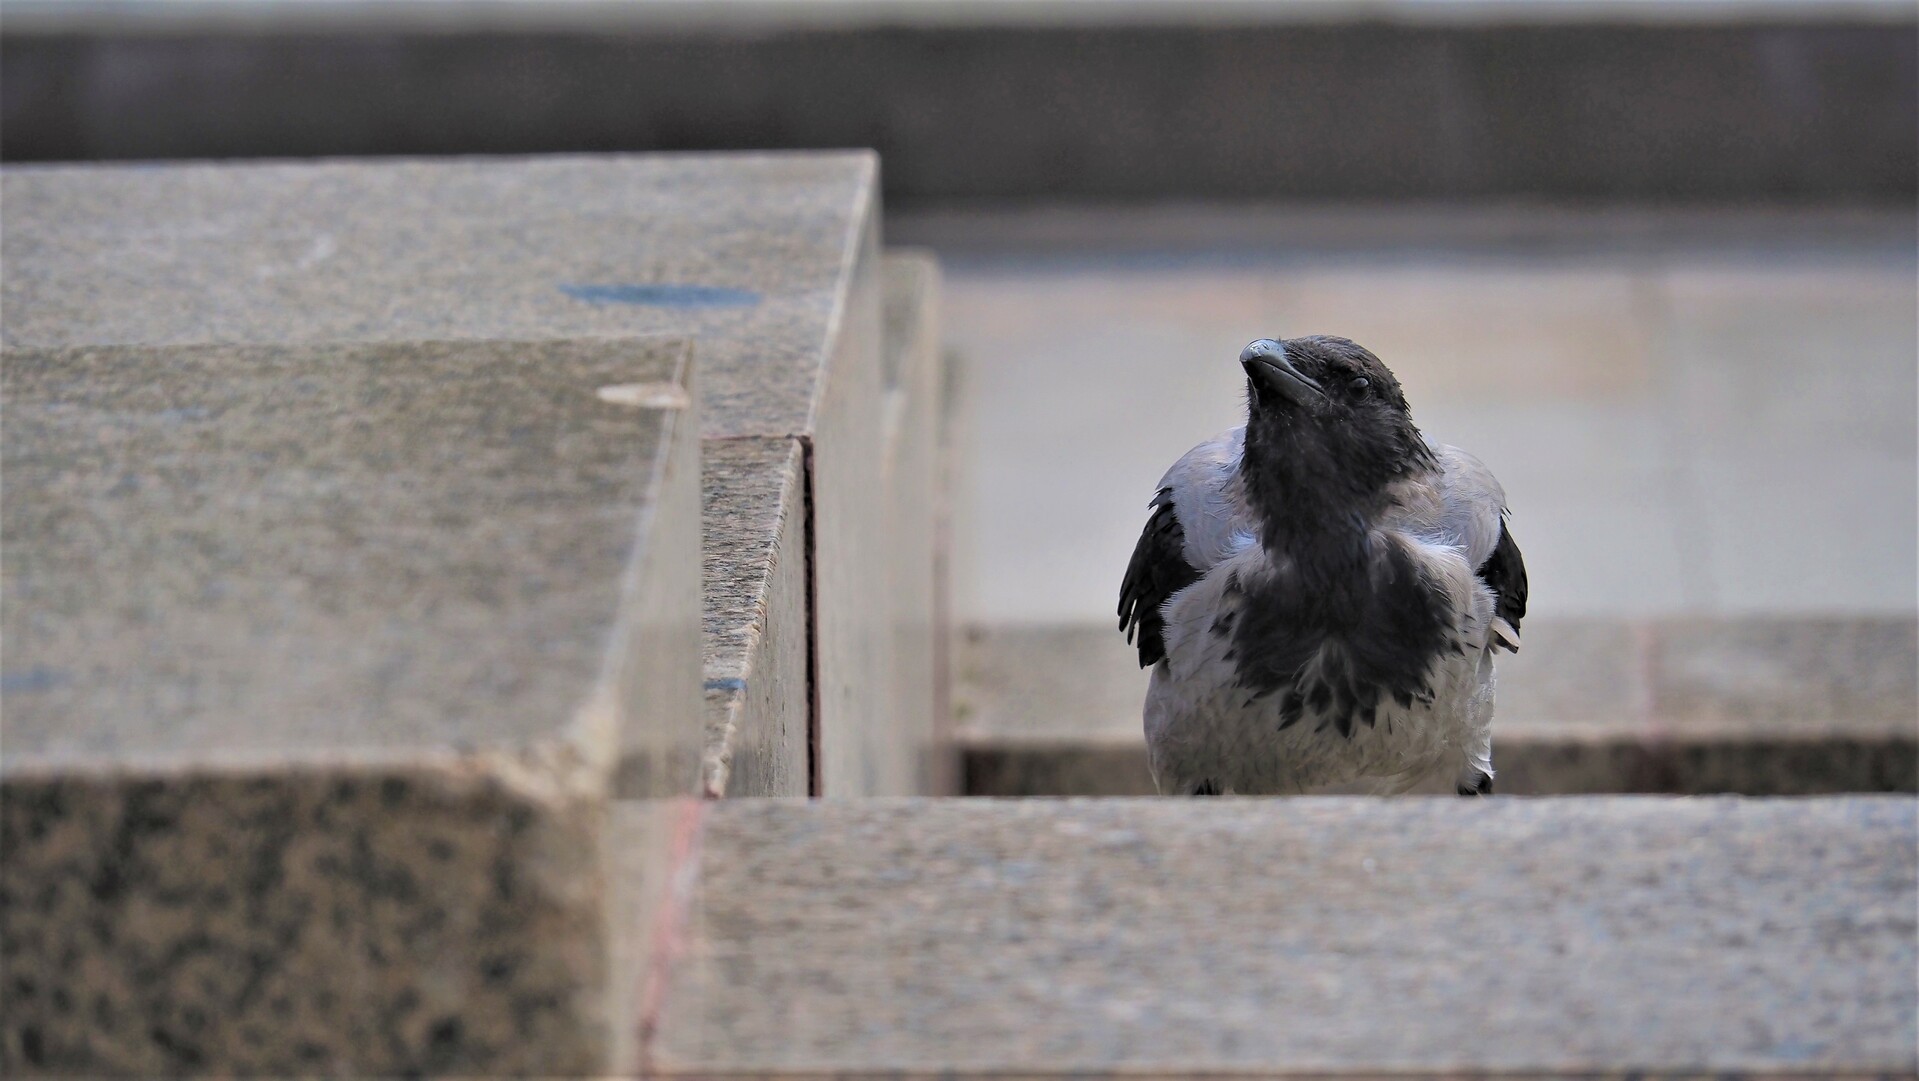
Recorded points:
(1157, 571)
(1505, 574)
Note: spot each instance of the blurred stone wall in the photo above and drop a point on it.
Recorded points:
(1815, 107)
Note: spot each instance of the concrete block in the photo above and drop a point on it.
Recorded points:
(1803, 676)
(321, 661)
(1767, 706)
(914, 676)
(751, 255)
(1303, 937)
(756, 628)
(769, 262)
(854, 755)
(757, 681)
(1779, 706)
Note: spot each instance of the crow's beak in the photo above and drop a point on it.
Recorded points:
(1267, 366)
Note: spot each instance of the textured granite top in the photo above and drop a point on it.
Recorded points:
(750, 254)
(229, 554)
(1349, 936)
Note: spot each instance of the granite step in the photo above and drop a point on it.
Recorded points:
(1755, 706)
(352, 556)
(756, 647)
(770, 262)
(759, 735)
(1642, 936)
(320, 663)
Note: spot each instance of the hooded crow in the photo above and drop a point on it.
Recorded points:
(1320, 592)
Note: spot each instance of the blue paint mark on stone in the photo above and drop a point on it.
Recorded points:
(664, 296)
(32, 680)
(729, 684)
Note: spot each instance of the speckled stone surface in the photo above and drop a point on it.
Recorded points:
(377, 924)
(756, 678)
(320, 662)
(755, 647)
(1334, 936)
(1778, 706)
(646, 848)
(750, 254)
(225, 556)
(770, 262)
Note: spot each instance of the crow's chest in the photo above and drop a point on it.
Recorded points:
(1337, 654)
(1324, 726)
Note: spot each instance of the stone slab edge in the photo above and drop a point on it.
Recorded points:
(756, 607)
(659, 753)
(431, 912)
(1006, 938)
(757, 634)
(853, 751)
(912, 423)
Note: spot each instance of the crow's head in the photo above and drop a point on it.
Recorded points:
(1327, 426)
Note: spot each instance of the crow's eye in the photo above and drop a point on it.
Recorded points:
(1359, 384)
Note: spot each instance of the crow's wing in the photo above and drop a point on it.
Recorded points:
(1157, 571)
(1198, 519)
(1504, 572)
(1472, 516)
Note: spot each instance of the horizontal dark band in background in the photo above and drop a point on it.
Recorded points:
(1793, 112)
(1534, 764)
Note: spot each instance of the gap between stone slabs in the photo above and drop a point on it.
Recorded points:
(762, 677)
